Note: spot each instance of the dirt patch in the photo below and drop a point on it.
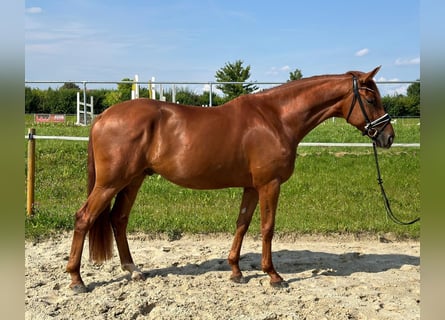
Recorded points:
(329, 278)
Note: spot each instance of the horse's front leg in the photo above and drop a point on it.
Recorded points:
(247, 208)
(268, 195)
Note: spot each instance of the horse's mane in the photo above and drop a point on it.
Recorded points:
(304, 81)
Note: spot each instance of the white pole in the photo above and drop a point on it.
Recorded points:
(136, 79)
(135, 88)
(161, 93)
(84, 103)
(92, 109)
(78, 108)
(210, 95)
(153, 88)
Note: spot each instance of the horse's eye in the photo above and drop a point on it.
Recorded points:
(371, 101)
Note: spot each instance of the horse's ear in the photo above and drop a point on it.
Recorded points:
(370, 75)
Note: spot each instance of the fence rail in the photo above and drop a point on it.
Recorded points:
(302, 144)
(30, 137)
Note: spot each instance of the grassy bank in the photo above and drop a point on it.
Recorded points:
(332, 190)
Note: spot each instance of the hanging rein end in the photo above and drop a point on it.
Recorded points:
(414, 221)
(389, 212)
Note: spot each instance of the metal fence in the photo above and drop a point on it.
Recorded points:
(210, 85)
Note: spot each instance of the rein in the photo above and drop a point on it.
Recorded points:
(389, 212)
(372, 132)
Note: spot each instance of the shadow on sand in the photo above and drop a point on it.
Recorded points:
(291, 262)
(288, 262)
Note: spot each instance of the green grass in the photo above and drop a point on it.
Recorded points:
(333, 190)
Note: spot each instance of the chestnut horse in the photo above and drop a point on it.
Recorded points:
(249, 142)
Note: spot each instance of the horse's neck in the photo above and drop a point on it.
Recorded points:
(309, 104)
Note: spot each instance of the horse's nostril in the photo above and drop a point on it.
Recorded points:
(390, 140)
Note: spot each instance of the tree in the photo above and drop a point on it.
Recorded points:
(234, 72)
(124, 90)
(99, 99)
(70, 85)
(32, 100)
(204, 99)
(401, 106)
(295, 75)
(413, 91)
(122, 93)
(112, 97)
(187, 96)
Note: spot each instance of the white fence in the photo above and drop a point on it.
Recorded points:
(84, 116)
(301, 144)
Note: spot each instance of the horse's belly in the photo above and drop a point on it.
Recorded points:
(207, 178)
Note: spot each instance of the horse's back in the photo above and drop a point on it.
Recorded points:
(130, 111)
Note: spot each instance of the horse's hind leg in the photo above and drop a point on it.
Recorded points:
(96, 203)
(248, 205)
(119, 220)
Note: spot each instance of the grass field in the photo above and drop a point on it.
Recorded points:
(333, 190)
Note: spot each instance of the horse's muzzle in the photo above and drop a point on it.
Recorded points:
(384, 140)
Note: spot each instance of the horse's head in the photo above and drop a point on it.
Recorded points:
(366, 111)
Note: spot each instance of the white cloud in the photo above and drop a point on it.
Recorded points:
(33, 10)
(383, 79)
(206, 88)
(404, 62)
(388, 89)
(362, 52)
(392, 90)
(274, 71)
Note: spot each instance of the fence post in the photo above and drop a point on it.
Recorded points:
(210, 95)
(31, 172)
(85, 108)
(78, 108)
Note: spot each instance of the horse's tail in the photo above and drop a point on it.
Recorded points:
(100, 234)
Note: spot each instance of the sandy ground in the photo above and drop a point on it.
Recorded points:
(336, 277)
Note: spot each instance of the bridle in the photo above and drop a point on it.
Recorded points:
(371, 129)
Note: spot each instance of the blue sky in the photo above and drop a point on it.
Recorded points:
(184, 40)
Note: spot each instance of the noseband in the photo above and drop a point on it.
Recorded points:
(371, 127)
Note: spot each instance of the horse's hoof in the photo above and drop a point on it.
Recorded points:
(137, 276)
(238, 279)
(79, 288)
(279, 284)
